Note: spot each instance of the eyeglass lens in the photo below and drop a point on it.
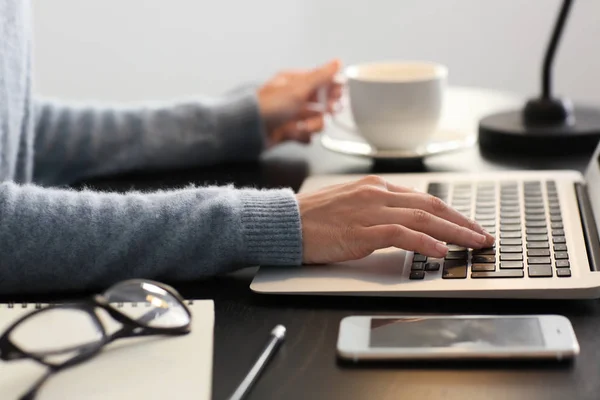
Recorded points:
(44, 333)
(156, 307)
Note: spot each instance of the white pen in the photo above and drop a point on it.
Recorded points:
(277, 336)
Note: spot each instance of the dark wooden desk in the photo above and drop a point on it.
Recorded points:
(306, 365)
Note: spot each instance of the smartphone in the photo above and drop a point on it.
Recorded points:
(363, 338)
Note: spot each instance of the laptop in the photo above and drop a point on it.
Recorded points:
(547, 245)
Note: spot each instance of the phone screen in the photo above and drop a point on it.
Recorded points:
(451, 332)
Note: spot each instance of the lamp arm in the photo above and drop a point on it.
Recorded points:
(551, 50)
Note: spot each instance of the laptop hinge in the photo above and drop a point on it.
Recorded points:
(590, 231)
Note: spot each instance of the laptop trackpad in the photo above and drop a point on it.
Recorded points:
(383, 268)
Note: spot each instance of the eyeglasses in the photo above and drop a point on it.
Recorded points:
(159, 310)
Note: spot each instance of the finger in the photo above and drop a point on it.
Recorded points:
(436, 227)
(335, 92)
(309, 112)
(322, 76)
(301, 130)
(383, 236)
(437, 207)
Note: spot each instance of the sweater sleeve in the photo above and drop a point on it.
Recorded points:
(57, 239)
(77, 141)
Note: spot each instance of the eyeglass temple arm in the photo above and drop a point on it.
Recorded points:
(32, 392)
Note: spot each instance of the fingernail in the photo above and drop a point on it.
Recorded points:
(441, 248)
(480, 239)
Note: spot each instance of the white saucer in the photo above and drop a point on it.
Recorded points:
(341, 141)
(458, 127)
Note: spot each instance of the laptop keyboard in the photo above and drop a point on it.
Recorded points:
(525, 218)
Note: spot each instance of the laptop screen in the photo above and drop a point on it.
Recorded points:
(592, 178)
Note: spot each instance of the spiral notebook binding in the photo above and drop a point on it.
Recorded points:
(37, 306)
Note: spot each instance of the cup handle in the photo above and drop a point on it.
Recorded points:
(321, 104)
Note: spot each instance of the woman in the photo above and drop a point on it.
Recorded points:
(56, 239)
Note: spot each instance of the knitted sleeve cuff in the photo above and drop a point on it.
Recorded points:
(271, 227)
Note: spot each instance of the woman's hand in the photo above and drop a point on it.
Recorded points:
(352, 220)
(285, 102)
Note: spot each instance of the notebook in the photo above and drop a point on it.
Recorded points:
(157, 367)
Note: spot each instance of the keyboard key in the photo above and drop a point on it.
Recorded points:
(558, 232)
(539, 260)
(560, 247)
(535, 224)
(488, 251)
(419, 257)
(511, 249)
(454, 269)
(510, 228)
(536, 238)
(540, 271)
(511, 242)
(436, 186)
(432, 266)
(483, 267)
(456, 255)
(454, 247)
(536, 231)
(509, 203)
(538, 245)
(555, 211)
(559, 239)
(533, 198)
(417, 266)
(457, 203)
(511, 265)
(538, 253)
(534, 210)
(487, 222)
(483, 259)
(555, 218)
(485, 216)
(512, 214)
(509, 273)
(510, 221)
(556, 225)
(562, 264)
(561, 255)
(511, 257)
(540, 217)
(510, 209)
(510, 235)
(416, 275)
(563, 272)
(534, 204)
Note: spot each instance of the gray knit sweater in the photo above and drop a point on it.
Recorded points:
(57, 239)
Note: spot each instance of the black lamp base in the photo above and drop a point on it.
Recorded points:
(507, 132)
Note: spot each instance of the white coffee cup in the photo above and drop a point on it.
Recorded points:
(396, 105)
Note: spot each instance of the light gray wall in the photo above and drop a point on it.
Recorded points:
(155, 49)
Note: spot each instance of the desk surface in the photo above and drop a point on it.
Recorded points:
(305, 366)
